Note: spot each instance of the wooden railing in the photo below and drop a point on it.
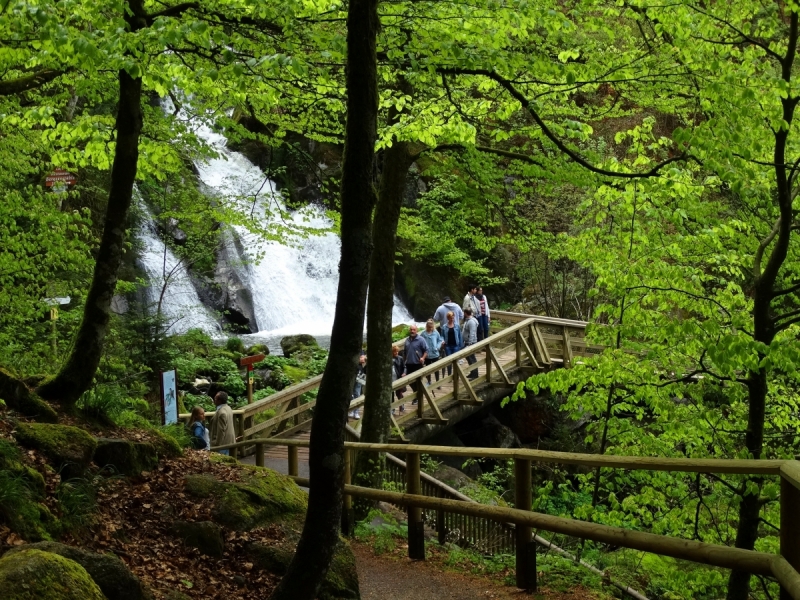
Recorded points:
(531, 342)
(783, 567)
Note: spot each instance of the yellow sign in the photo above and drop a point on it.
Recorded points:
(54, 313)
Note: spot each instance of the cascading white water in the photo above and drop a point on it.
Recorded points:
(293, 281)
(169, 285)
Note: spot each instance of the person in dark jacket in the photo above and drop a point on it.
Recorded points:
(361, 381)
(469, 331)
(398, 369)
(201, 440)
(451, 333)
(416, 351)
(484, 316)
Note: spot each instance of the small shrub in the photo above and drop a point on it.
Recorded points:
(77, 500)
(234, 344)
(179, 433)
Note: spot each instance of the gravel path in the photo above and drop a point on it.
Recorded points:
(384, 578)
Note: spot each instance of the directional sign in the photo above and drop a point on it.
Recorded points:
(54, 301)
(60, 177)
(251, 360)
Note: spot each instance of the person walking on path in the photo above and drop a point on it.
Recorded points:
(416, 351)
(398, 368)
(484, 316)
(440, 316)
(452, 338)
(435, 342)
(469, 331)
(471, 302)
(361, 381)
(223, 430)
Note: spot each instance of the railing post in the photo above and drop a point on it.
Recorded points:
(420, 397)
(526, 547)
(259, 455)
(293, 466)
(488, 365)
(790, 527)
(416, 533)
(347, 508)
(518, 346)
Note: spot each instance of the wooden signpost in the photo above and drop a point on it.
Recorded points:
(60, 179)
(249, 361)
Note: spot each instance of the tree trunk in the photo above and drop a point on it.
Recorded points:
(326, 452)
(77, 373)
(376, 423)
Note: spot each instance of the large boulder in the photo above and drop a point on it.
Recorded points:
(341, 581)
(68, 448)
(489, 433)
(36, 575)
(108, 571)
(18, 396)
(203, 535)
(126, 457)
(258, 500)
(291, 344)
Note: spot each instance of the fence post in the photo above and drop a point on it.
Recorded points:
(348, 515)
(293, 466)
(790, 527)
(488, 365)
(416, 533)
(518, 346)
(259, 455)
(420, 397)
(526, 547)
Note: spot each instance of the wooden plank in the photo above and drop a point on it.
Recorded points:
(499, 366)
(790, 471)
(790, 527)
(528, 350)
(435, 408)
(568, 357)
(759, 563)
(787, 577)
(543, 347)
(468, 385)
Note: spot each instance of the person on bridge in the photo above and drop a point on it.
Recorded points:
(452, 338)
(416, 351)
(469, 331)
(223, 431)
(471, 302)
(398, 368)
(484, 316)
(435, 343)
(440, 316)
(361, 381)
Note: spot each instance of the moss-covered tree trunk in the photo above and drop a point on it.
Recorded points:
(376, 424)
(76, 375)
(326, 453)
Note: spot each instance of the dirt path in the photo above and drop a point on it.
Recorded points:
(386, 578)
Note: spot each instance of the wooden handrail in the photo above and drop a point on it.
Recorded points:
(790, 471)
(633, 463)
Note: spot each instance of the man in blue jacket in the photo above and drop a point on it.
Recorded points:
(416, 351)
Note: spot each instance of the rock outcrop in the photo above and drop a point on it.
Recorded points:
(37, 575)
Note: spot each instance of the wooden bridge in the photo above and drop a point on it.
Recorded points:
(524, 345)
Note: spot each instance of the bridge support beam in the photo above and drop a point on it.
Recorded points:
(526, 547)
(348, 515)
(416, 533)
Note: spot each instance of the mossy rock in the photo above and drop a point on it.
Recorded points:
(166, 446)
(257, 349)
(11, 461)
(203, 535)
(68, 448)
(127, 457)
(258, 500)
(31, 520)
(108, 571)
(341, 581)
(37, 575)
(18, 396)
(294, 343)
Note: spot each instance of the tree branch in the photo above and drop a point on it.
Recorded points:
(489, 150)
(762, 246)
(528, 106)
(28, 82)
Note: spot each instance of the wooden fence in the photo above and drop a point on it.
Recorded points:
(783, 567)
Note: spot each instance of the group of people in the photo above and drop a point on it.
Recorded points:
(223, 430)
(451, 328)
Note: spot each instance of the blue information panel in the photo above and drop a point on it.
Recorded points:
(169, 397)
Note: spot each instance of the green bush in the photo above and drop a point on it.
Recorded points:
(77, 501)
(234, 344)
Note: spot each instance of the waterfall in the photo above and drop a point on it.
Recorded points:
(181, 307)
(293, 277)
